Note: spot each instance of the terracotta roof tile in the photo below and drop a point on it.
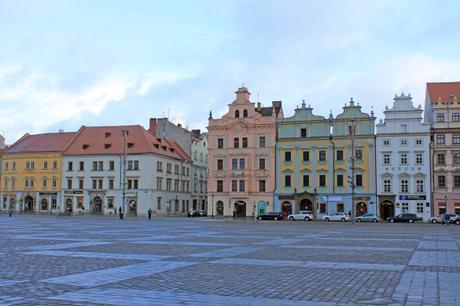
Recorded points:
(443, 91)
(49, 142)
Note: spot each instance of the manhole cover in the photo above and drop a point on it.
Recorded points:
(374, 301)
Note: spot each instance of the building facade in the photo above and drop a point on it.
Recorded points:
(442, 112)
(314, 162)
(241, 158)
(403, 161)
(199, 170)
(31, 173)
(157, 174)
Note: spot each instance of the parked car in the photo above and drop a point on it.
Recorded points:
(368, 218)
(301, 215)
(404, 217)
(440, 219)
(271, 216)
(197, 213)
(337, 217)
(455, 220)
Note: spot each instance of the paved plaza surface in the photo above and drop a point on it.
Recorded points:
(48, 260)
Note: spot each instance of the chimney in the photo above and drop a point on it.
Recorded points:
(153, 127)
(179, 125)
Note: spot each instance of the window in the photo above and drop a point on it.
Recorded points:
(80, 184)
(69, 166)
(419, 186)
(404, 142)
(306, 180)
(339, 155)
(440, 117)
(220, 164)
(386, 142)
(245, 142)
(69, 184)
(94, 165)
(440, 139)
(45, 165)
(168, 184)
(322, 208)
(303, 132)
(404, 207)
(386, 158)
(441, 158)
(322, 180)
(242, 185)
(403, 128)
(287, 156)
(13, 166)
(455, 117)
(404, 185)
(81, 166)
(322, 155)
(234, 186)
(456, 158)
(5, 182)
(306, 156)
(457, 181)
(44, 183)
(287, 181)
(54, 183)
(169, 168)
(220, 186)
(419, 158)
(236, 143)
(220, 143)
(95, 184)
(159, 166)
(387, 185)
(418, 141)
(262, 163)
(26, 182)
(111, 165)
(261, 186)
(441, 181)
(359, 180)
(340, 207)
(242, 164)
(339, 180)
(111, 203)
(245, 113)
(456, 139)
(420, 208)
(237, 114)
(159, 203)
(159, 183)
(262, 141)
(110, 183)
(176, 169)
(6, 165)
(359, 154)
(31, 182)
(403, 158)
(54, 164)
(234, 164)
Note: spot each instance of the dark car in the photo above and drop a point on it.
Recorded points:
(455, 220)
(197, 213)
(404, 217)
(271, 216)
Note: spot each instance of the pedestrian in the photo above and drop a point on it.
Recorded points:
(349, 213)
(446, 219)
(115, 210)
(149, 212)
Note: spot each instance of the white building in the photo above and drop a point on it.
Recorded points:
(199, 170)
(157, 173)
(403, 160)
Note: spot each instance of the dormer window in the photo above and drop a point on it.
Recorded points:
(107, 145)
(163, 147)
(245, 113)
(171, 149)
(303, 132)
(107, 134)
(156, 145)
(130, 144)
(237, 114)
(85, 146)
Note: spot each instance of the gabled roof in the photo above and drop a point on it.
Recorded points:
(49, 142)
(443, 91)
(97, 140)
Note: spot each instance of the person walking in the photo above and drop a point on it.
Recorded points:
(115, 210)
(446, 219)
(149, 212)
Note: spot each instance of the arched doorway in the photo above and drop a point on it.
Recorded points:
(286, 208)
(240, 209)
(262, 208)
(97, 205)
(132, 207)
(306, 204)
(387, 210)
(220, 208)
(361, 209)
(69, 206)
(44, 204)
(29, 203)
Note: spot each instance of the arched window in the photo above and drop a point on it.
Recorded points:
(45, 182)
(245, 113)
(31, 182)
(6, 182)
(54, 182)
(13, 182)
(26, 182)
(237, 114)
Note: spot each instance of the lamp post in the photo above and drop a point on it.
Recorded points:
(352, 179)
(212, 206)
(124, 132)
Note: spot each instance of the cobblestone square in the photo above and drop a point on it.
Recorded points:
(178, 261)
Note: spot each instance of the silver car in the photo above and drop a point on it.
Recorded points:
(337, 217)
(368, 218)
(301, 215)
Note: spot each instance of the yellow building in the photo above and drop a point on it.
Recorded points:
(31, 172)
(314, 169)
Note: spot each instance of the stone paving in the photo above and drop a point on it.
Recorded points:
(46, 260)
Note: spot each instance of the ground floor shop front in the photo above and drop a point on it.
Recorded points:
(446, 202)
(31, 202)
(239, 206)
(391, 205)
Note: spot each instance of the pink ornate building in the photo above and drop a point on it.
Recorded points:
(241, 158)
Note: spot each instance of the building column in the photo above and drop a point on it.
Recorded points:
(313, 161)
(50, 203)
(37, 201)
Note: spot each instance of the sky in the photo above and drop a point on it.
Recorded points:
(64, 64)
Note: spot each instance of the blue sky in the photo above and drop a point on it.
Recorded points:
(68, 63)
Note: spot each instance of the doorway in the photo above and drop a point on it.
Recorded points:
(387, 210)
(240, 209)
(29, 204)
(97, 205)
(361, 209)
(286, 208)
(220, 208)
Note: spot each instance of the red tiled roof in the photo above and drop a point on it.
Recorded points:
(443, 90)
(49, 142)
(96, 140)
